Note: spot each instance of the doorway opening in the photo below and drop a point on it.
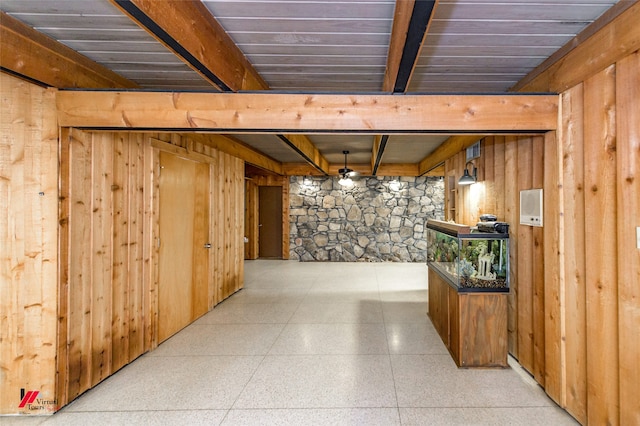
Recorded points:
(270, 222)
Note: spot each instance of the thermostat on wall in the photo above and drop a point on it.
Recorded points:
(531, 207)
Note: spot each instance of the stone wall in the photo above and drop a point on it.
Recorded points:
(377, 219)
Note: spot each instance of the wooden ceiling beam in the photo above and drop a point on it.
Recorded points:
(34, 56)
(411, 22)
(614, 35)
(307, 150)
(399, 30)
(232, 146)
(446, 150)
(308, 113)
(410, 26)
(187, 28)
(300, 169)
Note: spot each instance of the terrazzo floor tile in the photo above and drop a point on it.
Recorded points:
(24, 420)
(435, 381)
(333, 297)
(414, 338)
(300, 339)
(359, 312)
(256, 313)
(221, 339)
(309, 344)
(409, 295)
(179, 383)
(151, 418)
(404, 312)
(262, 295)
(314, 417)
(320, 381)
(519, 416)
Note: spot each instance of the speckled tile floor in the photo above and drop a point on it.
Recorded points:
(312, 344)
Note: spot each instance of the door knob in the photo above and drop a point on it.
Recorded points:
(207, 245)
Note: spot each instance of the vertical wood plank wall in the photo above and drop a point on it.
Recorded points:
(109, 225)
(28, 241)
(574, 310)
(251, 219)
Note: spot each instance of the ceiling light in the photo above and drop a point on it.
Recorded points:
(346, 173)
(345, 181)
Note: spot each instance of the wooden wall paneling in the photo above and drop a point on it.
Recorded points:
(228, 227)
(41, 234)
(449, 190)
(152, 230)
(461, 202)
(137, 234)
(218, 232)
(213, 178)
(475, 192)
(525, 260)
(28, 241)
(201, 232)
(488, 175)
(62, 361)
(239, 231)
(120, 251)
(221, 260)
(628, 208)
(572, 207)
(511, 216)
(251, 220)
(538, 263)
(601, 250)
(498, 184)
(553, 308)
(237, 244)
(101, 255)
(80, 274)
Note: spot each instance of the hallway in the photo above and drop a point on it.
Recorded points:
(313, 343)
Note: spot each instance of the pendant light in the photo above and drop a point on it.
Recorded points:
(345, 173)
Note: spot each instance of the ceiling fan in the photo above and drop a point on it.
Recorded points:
(346, 173)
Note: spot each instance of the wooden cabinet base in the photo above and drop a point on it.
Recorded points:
(473, 326)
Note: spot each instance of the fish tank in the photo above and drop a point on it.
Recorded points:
(468, 260)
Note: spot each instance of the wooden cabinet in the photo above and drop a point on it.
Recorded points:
(473, 326)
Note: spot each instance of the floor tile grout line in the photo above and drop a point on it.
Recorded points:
(393, 378)
(261, 361)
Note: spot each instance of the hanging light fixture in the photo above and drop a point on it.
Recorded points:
(345, 173)
(468, 179)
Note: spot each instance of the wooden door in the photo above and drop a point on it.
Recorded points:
(184, 231)
(270, 214)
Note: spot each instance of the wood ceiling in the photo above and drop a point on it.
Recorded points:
(304, 46)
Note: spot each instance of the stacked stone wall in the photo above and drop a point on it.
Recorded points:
(378, 219)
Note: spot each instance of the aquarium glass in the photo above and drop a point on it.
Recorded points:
(470, 262)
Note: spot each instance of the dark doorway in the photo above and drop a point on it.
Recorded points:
(270, 222)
